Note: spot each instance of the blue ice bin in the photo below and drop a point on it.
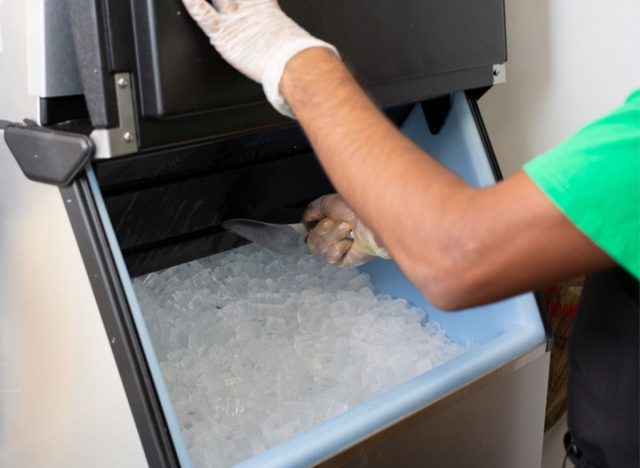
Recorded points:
(483, 408)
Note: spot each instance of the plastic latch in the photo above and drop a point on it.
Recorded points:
(47, 155)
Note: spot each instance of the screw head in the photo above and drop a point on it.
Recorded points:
(123, 83)
(127, 137)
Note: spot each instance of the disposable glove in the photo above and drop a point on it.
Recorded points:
(256, 37)
(330, 237)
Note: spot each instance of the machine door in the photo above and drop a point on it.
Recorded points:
(181, 90)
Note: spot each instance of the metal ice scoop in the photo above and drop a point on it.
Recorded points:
(286, 239)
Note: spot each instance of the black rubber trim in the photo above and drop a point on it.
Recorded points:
(484, 136)
(495, 167)
(477, 93)
(55, 110)
(119, 326)
(546, 322)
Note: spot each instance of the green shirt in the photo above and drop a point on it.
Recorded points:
(594, 179)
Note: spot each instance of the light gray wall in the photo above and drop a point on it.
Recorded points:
(570, 61)
(62, 403)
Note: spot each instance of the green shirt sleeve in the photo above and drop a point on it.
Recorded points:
(594, 179)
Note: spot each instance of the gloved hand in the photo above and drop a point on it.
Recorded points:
(256, 37)
(330, 237)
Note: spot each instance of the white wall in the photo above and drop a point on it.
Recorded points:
(570, 61)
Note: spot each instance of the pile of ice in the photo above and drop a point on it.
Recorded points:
(256, 347)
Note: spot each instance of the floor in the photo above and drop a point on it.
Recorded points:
(552, 448)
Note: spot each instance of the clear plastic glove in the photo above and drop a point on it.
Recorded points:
(330, 237)
(256, 37)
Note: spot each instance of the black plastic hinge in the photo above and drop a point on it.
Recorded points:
(47, 155)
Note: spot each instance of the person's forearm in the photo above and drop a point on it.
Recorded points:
(359, 147)
(460, 245)
(386, 178)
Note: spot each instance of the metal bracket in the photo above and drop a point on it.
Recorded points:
(499, 73)
(112, 142)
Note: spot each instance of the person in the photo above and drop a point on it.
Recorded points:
(572, 211)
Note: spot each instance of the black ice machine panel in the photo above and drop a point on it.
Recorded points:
(401, 50)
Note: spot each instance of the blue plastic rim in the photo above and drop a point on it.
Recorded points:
(503, 330)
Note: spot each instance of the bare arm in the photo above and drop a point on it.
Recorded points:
(460, 245)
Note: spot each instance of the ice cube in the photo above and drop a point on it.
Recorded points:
(256, 347)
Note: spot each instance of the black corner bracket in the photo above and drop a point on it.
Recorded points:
(436, 112)
(47, 155)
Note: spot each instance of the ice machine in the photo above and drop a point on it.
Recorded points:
(127, 141)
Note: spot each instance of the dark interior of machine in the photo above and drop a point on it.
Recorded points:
(169, 212)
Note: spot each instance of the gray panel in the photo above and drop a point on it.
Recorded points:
(495, 422)
(62, 403)
(62, 77)
(53, 70)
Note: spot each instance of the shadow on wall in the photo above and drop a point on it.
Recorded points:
(507, 108)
